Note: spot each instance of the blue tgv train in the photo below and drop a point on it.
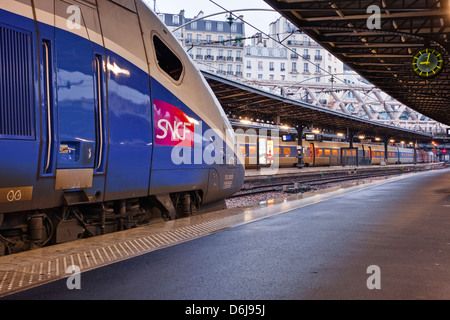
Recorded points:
(105, 123)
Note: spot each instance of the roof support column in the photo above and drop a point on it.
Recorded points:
(415, 152)
(350, 136)
(300, 128)
(257, 150)
(386, 144)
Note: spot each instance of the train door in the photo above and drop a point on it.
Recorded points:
(19, 105)
(313, 153)
(129, 117)
(370, 155)
(80, 104)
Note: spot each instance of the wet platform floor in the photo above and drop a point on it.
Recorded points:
(319, 248)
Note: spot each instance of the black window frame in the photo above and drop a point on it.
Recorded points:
(167, 60)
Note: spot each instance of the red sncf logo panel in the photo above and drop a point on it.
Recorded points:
(172, 126)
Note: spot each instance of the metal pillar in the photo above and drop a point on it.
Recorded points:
(415, 152)
(300, 146)
(350, 136)
(257, 150)
(386, 143)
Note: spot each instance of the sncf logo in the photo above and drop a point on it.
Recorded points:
(172, 126)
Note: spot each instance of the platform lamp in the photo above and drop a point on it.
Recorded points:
(230, 21)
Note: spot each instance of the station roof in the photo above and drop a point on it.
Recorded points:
(246, 101)
(382, 55)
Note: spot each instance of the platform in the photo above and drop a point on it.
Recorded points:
(328, 169)
(349, 229)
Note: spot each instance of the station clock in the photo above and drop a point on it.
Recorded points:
(428, 62)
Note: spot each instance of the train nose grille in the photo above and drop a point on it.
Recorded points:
(16, 93)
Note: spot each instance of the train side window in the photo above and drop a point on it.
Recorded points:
(252, 149)
(327, 152)
(167, 60)
(286, 150)
(335, 152)
(243, 150)
(277, 150)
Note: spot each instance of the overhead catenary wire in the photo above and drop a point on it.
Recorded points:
(334, 76)
(272, 38)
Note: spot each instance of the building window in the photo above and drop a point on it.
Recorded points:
(199, 38)
(249, 64)
(238, 56)
(317, 67)
(208, 38)
(209, 54)
(234, 27)
(306, 67)
(294, 66)
(260, 65)
(239, 70)
(175, 19)
(306, 54)
(219, 26)
(194, 25)
(208, 25)
(271, 66)
(259, 76)
(282, 66)
(229, 69)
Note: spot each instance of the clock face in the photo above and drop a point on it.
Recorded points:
(428, 63)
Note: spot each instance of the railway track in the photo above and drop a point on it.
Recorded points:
(303, 183)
